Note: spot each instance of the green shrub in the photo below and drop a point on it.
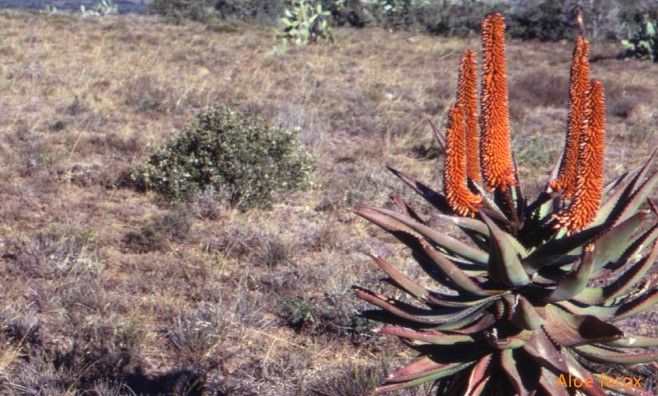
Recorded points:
(259, 10)
(305, 22)
(453, 19)
(243, 157)
(178, 10)
(211, 10)
(644, 43)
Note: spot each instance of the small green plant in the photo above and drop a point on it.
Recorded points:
(299, 312)
(50, 10)
(644, 44)
(305, 22)
(102, 8)
(242, 157)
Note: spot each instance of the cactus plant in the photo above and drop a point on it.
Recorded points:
(644, 44)
(526, 315)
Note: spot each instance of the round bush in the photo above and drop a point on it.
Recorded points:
(242, 157)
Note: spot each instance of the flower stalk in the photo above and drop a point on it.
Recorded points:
(495, 146)
(590, 165)
(467, 96)
(459, 197)
(565, 183)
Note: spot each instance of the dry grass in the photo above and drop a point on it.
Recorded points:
(109, 291)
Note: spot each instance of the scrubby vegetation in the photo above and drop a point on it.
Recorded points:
(549, 20)
(242, 158)
(108, 290)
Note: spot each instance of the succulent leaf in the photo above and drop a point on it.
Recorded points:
(405, 283)
(570, 329)
(525, 316)
(421, 371)
(611, 245)
(427, 336)
(603, 355)
(504, 261)
(511, 369)
(575, 282)
(480, 375)
(392, 221)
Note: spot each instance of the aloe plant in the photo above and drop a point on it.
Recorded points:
(526, 316)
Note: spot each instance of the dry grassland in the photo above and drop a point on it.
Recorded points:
(214, 301)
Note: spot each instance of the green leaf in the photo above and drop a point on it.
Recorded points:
(634, 341)
(453, 273)
(578, 370)
(627, 280)
(427, 336)
(638, 198)
(504, 261)
(640, 304)
(615, 204)
(511, 369)
(576, 281)
(543, 350)
(551, 252)
(480, 376)
(393, 221)
(568, 329)
(419, 372)
(548, 381)
(465, 223)
(402, 281)
(612, 244)
(602, 355)
(524, 315)
(435, 199)
(417, 315)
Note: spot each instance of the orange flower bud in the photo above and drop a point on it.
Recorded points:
(467, 96)
(459, 197)
(578, 85)
(495, 146)
(589, 175)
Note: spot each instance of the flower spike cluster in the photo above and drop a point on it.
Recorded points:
(495, 148)
(580, 176)
(590, 167)
(523, 307)
(578, 85)
(467, 97)
(459, 197)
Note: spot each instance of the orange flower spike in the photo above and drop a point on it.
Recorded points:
(578, 85)
(589, 176)
(467, 97)
(459, 197)
(495, 146)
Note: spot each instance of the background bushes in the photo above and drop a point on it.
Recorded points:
(546, 20)
(209, 10)
(242, 157)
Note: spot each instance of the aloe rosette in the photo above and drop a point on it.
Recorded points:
(527, 311)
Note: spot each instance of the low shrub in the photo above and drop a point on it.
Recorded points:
(242, 157)
(177, 11)
(207, 11)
